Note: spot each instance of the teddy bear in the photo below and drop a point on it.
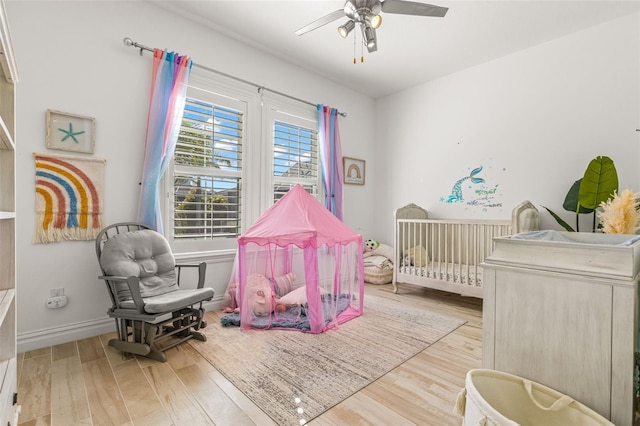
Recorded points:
(375, 248)
(260, 299)
(260, 296)
(370, 245)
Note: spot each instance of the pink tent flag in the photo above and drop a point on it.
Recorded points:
(299, 236)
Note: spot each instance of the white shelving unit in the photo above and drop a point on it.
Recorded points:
(9, 409)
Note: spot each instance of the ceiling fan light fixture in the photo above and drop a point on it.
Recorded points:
(372, 46)
(376, 21)
(346, 28)
(369, 35)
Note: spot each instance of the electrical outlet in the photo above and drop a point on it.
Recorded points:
(56, 292)
(56, 302)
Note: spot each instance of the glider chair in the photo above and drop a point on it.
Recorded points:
(152, 311)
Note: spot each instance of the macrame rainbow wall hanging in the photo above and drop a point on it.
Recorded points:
(69, 197)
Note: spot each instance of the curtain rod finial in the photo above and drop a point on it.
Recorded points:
(127, 41)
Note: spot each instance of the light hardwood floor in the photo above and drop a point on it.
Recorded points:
(86, 382)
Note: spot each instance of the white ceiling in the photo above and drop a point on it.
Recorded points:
(411, 49)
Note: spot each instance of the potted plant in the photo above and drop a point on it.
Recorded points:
(599, 184)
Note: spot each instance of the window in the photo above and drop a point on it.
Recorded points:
(208, 171)
(295, 155)
(237, 153)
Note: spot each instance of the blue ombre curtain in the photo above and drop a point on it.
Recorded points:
(331, 159)
(168, 92)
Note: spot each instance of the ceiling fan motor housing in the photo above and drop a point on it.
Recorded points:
(360, 10)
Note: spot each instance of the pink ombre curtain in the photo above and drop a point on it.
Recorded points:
(169, 80)
(331, 159)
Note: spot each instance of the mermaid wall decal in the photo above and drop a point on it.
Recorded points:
(456, 191)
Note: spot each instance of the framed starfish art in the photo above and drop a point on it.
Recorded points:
(70, 132)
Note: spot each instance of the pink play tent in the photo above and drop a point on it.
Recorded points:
(298, 267)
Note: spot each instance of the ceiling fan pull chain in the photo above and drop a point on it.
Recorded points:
(362, 51)
(354, 47)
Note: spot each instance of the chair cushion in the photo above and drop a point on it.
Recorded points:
(144, 254)
(170, 302)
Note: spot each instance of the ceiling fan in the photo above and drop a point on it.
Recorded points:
(367, 14)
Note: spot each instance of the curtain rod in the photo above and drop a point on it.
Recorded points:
(130, 43)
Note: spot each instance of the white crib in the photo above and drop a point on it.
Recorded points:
(447, 254)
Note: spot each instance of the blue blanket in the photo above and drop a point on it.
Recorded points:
(552, 235)
(295, 317)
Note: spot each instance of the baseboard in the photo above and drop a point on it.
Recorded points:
(62, 334)
(81, 330)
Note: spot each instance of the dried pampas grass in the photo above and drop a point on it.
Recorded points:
(620, 214)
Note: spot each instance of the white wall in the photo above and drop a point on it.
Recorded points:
(533, 120)
(71, 58)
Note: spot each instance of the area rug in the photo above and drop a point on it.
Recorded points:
(294, 376)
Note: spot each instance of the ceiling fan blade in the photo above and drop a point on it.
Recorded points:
(413, 8)
(322, 21)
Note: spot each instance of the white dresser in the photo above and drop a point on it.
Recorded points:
(564, 313)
